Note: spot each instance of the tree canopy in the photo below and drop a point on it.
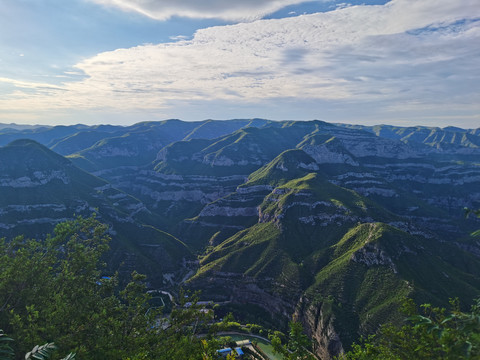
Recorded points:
(434, 334)
(54, 290)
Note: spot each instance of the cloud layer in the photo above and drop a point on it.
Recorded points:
(407, 57)
(233, 10)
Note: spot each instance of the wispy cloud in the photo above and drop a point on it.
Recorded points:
(380, 57)
(18, 84)
(179, 37)
(343, 5)
(233, 10)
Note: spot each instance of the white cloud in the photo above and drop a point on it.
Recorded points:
(233, 10)
(407, 57)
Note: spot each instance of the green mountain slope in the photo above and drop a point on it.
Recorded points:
(371, 270)
(240, 152)
(227, 215)
(334, 258)
(137, 145)
(39, 188)
(80, 141)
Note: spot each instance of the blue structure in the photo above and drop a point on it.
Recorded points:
(225, 351)
(228, 351)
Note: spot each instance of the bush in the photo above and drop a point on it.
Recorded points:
(434, 334)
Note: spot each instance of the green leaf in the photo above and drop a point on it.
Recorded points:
(41, 352)
(6, 352)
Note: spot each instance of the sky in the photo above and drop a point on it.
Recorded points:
(399, 62)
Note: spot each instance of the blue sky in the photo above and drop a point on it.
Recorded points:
(403, 62)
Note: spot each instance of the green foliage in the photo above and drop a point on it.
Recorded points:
(54, 291)
(178, 338)
(255, 328)
(434, 334)
(39, 352)
(51, 289)
(298, 345)
(476, 213)
(6, 351)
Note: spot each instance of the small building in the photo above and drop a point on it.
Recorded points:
(239, 351)
(227, 351)
(243, 343)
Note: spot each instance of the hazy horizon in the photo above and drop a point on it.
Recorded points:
(4, 125)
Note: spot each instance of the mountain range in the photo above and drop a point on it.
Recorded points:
(333, 224)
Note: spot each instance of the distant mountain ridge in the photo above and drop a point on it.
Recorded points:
(209, 129)
(331, 223)
(431, 136)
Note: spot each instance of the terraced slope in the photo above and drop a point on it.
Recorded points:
(341, 262)
(39, 188)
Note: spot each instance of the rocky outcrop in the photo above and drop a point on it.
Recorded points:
(373, 190)
(36, 179)
(318, 324)
(213, 160)
(324, 219)
(241, 289)
(114, 151)
(378, 147)
(372, 255)
(253, 189)
(322, 154)
(213, 210)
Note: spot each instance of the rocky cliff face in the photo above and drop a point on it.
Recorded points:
(230, 287)
(318, 322)
(36, 179)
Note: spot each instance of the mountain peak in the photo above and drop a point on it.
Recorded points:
(24, 142)
(286, 166)
(26, 156)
